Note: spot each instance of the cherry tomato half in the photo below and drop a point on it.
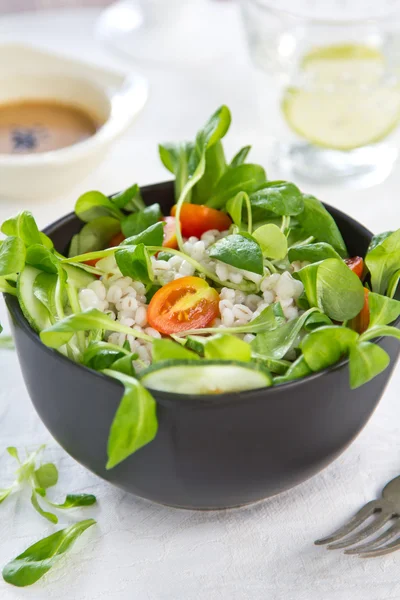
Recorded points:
(116, 240)
(92, 263)
(197, 219)
(360, 323)
(356, 264)
(170, 240)
(186, 303)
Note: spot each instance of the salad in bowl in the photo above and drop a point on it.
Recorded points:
(246, 284)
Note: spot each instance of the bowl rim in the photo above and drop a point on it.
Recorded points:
(170, 398)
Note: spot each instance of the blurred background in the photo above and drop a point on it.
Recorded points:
(20, 5)
(313, 87)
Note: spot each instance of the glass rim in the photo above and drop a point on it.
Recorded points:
(267, 7)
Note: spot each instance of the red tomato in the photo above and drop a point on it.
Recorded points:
(115, 241)
(197, 219)
(360, 323)
(170, 240)
(92, 263)
(186, 303)
(356, 264)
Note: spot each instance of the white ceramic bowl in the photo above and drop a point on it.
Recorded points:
(113, 98)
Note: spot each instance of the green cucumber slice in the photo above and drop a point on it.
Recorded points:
(77, 277)
(33, 310)
(205, 376)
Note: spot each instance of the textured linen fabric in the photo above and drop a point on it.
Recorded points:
(142, 551)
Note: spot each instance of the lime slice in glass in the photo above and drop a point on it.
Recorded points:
(355, 64)
(345, 102)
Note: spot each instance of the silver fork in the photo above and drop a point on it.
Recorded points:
(386, 509)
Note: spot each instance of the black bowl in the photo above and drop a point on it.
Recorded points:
(210, 452)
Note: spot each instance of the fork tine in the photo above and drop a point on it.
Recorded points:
(364, 533)
(386, 549)
(363, 514)
(376, 544)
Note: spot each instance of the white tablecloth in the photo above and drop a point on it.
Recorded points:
(143, 551)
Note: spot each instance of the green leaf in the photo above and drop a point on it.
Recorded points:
(234, 207)
(164, 256)
(168, 350)
(140, 221)
(24, 227)
(274, 365)
(276, 343)
(327, 345)
(46, 475)
(210, 134)
(308, 276)
(12, 256)
(176, 157)
(124, 365)
(243, 178)
(47, 515)
(93, 205)
(393, 284)
(42, 258)
(297, 370)
(382, 310)
(76, 501)
(101, 355)
(339, 291)
(214, 170)
(12, 451)
(316, 221)
(240, 156)
(134, 262)
(266, 320)
(383, 262)
(135, 422)
(280, 198)
(227, 347)
(6, 341)
(6, 287)
(4, 494)
(153, 289)
(61, 332)
(378, 239)
(366, 362)
(37, 560)
(272, 241)
(94, 236)
(378, 331)
(240, 251)
(45, 289)
(27, 469)
(129, 199)
(315, 320)
(312, 252)
(152, 236)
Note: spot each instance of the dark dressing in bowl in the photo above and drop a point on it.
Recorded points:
(34, 126)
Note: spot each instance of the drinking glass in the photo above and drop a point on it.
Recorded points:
(178, 32)
(329, 88)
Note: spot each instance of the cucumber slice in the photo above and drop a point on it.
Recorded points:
(77, 277)
(33, 310)
(205, 376)
(196, 343)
